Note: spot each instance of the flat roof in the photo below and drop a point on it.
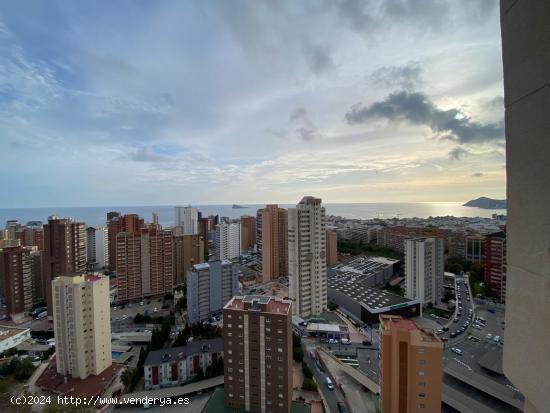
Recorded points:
(154, 358)
(371, 298)
(364, 266)
(9, 331)
(331, 328)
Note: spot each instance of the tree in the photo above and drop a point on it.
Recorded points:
(297, 354)
(127, 377)
(309, 385)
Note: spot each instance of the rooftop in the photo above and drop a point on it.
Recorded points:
(214, 345)
(371, 298)
(264, 303)
(7, 332)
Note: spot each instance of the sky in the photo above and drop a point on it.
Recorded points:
(170, 102)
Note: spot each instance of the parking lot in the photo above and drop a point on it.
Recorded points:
(122, 315)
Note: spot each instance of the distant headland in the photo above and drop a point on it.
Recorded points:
(487, 203)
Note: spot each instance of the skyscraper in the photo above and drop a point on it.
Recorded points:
(411, 367)
(274, 232)
(332, 247)
(227, 240)
(495, 264)
(209, 287)
(248, 232)
(307, 257)
(257, 337)
(525, 29)
(144, 264)
(204, 231)
(16, 280)
(424, 269)
(188, 218)
(64, 252)
(188, 251)
(97, 252)
(130, 223)
(82, 325)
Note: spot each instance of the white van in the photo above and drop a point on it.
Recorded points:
(328, 381)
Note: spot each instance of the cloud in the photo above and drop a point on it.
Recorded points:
(405, 77)
(320, 60)
(477, 174)
(418, 109)
(308, 131)
(457, 153)
(148, 154)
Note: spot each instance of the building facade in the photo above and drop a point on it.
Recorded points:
(116, 223)
(411, 367)
(332, 247)
(274, 232)
(64, 252)
(177, 365)
(144, 264)
(188, 251)
(188, 218)
(257, 336)
(495, 264)
(424, 269)
(82, 325)
(475, 249)
(97, 251)
(209, 287)
(16, 280)
(307, 257)
(227, 241)
(248, 232)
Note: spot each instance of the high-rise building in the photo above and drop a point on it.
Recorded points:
(307, 266)
(227, 240)
(144, 264)
(257, 337)
(424, 269)
(204, 231)
(97, 252)
(495, 264)
(16, 280)
(475, 249)
(31, 236)
(411, 367)
(188, 251)
(525, 27)
(209, 287)
(248, 232)
(82, 325)
(116, 223)
(332, 247)
(188, 218)
(274, 231)
(64, 252)
(259, 231)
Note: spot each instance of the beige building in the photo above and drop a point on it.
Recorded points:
(411, 367)
(82, 325)
(274, 232)
(188, 251)
(307, 257)
(248, 232)
(525, 28)
(257, 338)
(424, 269)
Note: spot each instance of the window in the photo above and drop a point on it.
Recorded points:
(422, 395)
(420, 373)
(421, 362)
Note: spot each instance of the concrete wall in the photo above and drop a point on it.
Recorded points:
(526, 57)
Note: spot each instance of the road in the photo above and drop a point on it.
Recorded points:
(332, 397)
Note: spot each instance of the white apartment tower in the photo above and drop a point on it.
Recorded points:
(424, 269)
(97, 251)
(227, 240)
(307, 267)
(188, 218)
(82, 324)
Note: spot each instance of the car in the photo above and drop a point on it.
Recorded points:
(329, 384)
(444, 339)
(453, 334)
(129, 305)
(477, 326)
(455, 320)
(434, 316)
(456, 350)
(439, 332)
(42, 315)
(114, 308)
(346, 341)
(367, 343)
(155, 310)
(489, 336)
(332, 341)
(445, 329)
(491, 310)
(141, 303)
(341, 407)
(496, 339)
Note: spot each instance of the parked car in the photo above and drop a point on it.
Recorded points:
(329, 384)
(346, 341)
(457, 351)
(367, 343)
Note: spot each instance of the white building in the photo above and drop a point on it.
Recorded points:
(82, 325)
(424, 269)
(11, 337)
(188, 219)
(227, 240)
(307, 267)
(97, 251)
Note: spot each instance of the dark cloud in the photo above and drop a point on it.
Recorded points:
(306, 134)
(477, 174)
(320, 59)
(418, 109)
(405, 77)
(147, 154)
(457, 153)
(307, 131)
(298, 114)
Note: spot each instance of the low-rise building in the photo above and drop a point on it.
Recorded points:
(11, 337)
(174, 366)
(371, 271)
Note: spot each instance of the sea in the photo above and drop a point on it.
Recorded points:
(95, 216)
